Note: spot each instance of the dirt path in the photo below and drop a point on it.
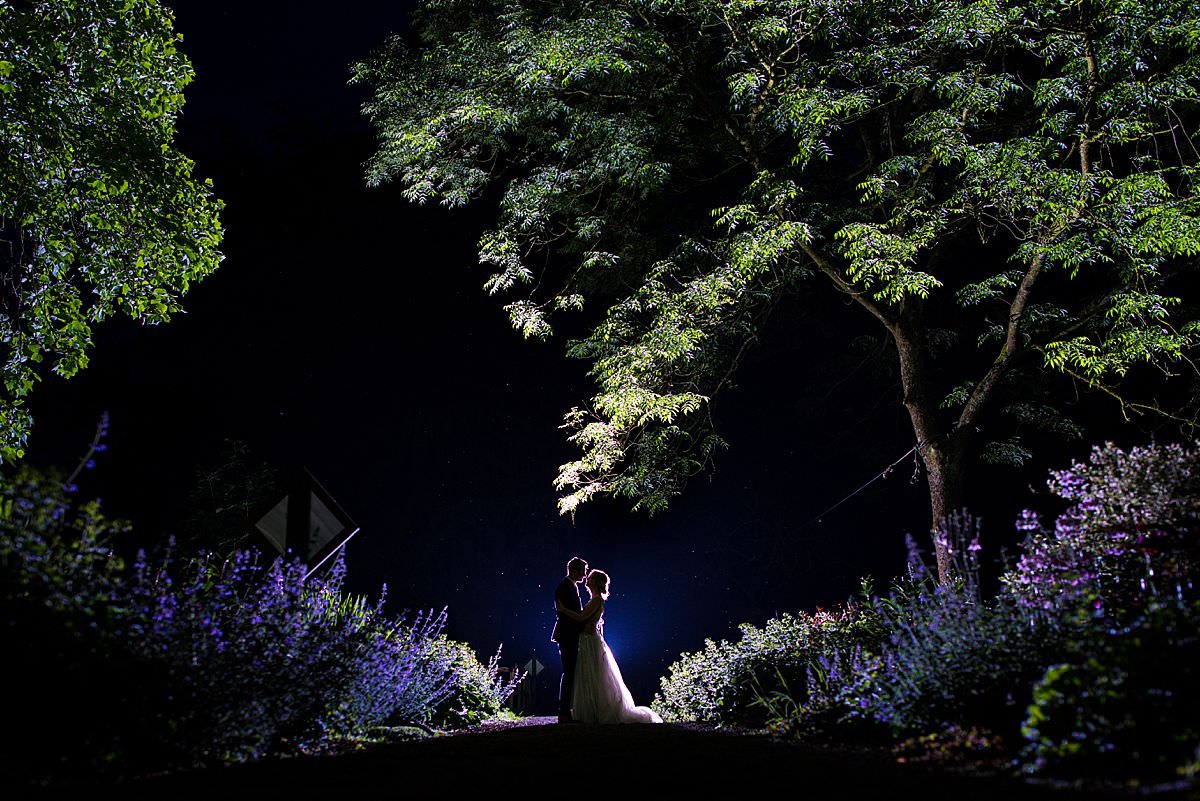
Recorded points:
(537, 757)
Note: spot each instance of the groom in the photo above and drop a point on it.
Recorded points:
(566, 633)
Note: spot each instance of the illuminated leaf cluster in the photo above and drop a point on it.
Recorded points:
(1021, 174)
(100, 215)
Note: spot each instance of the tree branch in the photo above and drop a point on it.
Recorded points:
(880, 312)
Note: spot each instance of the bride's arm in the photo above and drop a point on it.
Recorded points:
(580, 616)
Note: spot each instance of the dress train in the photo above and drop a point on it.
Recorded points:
(600, 694)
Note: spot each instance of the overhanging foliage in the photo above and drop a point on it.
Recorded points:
(1013, 183)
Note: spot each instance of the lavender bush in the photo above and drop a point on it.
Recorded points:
(949, 656)
(1085, 662)
(265, 661)
(167, 662)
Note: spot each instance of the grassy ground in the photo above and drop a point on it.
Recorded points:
(535, 756)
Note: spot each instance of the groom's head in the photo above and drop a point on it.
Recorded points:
(576, 568)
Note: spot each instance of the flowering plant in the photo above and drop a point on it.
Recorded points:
(1128, 535)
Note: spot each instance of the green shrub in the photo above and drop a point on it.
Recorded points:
(1125, 704)
(723, 682)
(73, 685)
(477, 692)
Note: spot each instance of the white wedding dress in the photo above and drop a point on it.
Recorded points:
(600, 694)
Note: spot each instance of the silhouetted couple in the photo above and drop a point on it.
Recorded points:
(591, 689)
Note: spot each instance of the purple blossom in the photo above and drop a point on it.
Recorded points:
(1131, 520)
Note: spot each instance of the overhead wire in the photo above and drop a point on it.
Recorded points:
(884, 473)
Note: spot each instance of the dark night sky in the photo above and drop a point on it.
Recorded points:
(347, 332)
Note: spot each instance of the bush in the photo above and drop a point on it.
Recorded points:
(167, 662)
(1129, 536)
(77, 688)
(948, 658)
(264, 660)
(477, 693)
(1125, 704)
(1088, 653)
(721, 683)
(1088, 658)
(1119, 570)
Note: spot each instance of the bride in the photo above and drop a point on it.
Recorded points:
(600, 694)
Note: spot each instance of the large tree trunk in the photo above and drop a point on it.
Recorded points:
(940, 449)
(944, 471)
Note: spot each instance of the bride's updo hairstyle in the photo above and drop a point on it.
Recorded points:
(597, 582)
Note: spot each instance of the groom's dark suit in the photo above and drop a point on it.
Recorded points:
(566, 634)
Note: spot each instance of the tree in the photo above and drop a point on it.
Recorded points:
(1007, 188)
(99, 213)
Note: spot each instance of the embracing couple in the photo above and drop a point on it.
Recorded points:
(591, 690)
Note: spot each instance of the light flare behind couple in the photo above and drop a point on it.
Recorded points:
(591, 689)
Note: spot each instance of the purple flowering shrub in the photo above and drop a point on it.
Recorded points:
(948, 657)
(78, 700)
(1118, 570)
(1129, 535)
(264, 661)
(1084, 664)
(166, 661)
